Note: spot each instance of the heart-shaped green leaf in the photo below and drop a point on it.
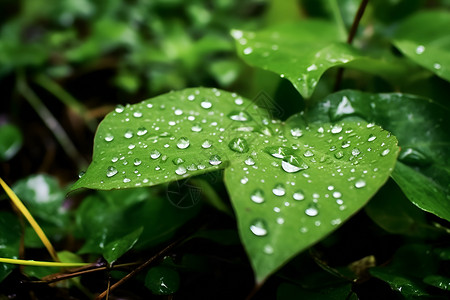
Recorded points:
(302, 52)
(420, 125)
(290, 195)
(424, 39)
(284, 180)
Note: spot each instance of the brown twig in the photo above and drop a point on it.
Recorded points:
(351, 36)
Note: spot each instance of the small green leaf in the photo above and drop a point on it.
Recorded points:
(424, 39)
(419, 124)
(10, 141)
(303, 51)
(405, 277)
(162, 280)
(9, 241)
(119, 247)
(438, 281)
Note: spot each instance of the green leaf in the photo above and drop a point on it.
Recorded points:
(302, 52)
(107, 216)
(307, 183)
(169, 138)
(402, 217)
(438, 281)
(10, 141)
(9, 241)
(44, 198)
(162, 280)
(283, 180)
(424, 39)
(119, 247)
(419, 124)
(406, 277)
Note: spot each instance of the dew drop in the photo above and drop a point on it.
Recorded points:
(126, 180)
(312, 210)
(206, 104)
(154, 154)
(336, 129)
(238, 101)
(183, 143)
(249, 161)
(81, 174)
(177, 161)
(268, 249)
(241, 116)
(298, 195)
(339, 154)
(360, 184)
(238, 145)
(119, 109)
(196, 128)
(128, 134)
(293, 164)
(345, 144)
(356, 152)
(296, 132)
(337, 195)
(277, 152)
(371, 138)
(109, 137)
(137, 114)
(215, 160)
(180, 170)
(258, 227)
(248, 50)
(206, 144)
(111, 171)
(137, 162)
(279, 190)
(178, 112)
(257, 196)
(420, 49)
(114, 159)
(308, 153)
(141, 131)
(385, 152)
(437, 66)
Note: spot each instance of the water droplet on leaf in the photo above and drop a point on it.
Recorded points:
(111, 171)
(259, 227)
(238, 145)
(257, 196)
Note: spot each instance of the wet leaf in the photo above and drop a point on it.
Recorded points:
(162, 280)
(119, 247)
(424, 39)
(305, 187)
(438, 281)
(108, 216)
(9, 241)
(283, 180)
(10, 141)
(423, 133)
(303, 51)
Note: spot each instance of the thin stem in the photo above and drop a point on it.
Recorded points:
(351, 36)
(66, 98)
(50, 121)
(40, 263)
(21, 207)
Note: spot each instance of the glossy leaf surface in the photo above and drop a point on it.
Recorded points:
(424, 38)
(10, 141)
(423, 132)
(9, 241)
(283, 180)
(119, 247)
(302, 52)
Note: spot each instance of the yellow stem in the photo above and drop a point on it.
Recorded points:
(41, 263)
(30, 219)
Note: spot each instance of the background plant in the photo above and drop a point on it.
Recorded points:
(289, 185)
